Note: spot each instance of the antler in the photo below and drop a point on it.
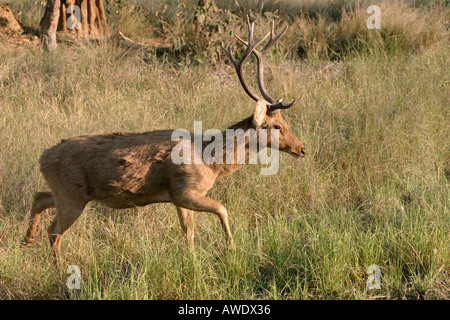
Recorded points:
(260, 56)
(238, 64)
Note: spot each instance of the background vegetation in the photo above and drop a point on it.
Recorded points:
(373, 189)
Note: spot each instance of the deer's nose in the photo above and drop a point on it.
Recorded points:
(303, 151)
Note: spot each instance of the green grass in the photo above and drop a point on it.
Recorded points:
(373, 189)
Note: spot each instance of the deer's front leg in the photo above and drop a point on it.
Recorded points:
(186, 217)
(193, 200)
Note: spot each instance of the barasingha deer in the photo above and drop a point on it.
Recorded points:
(123, 170)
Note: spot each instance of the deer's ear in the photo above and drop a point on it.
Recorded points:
(260, 113)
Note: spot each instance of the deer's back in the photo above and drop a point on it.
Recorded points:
(120, 166)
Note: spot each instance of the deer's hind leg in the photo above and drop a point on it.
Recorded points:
(67, 211)
(41, 201)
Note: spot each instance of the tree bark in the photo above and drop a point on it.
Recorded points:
(49, 24)
(85, 17)
(89, 13)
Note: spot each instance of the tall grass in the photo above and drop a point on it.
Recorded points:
(403, 30)
(372, 190)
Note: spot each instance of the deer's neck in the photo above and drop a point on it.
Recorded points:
(236, 148)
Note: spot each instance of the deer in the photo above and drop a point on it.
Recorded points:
(125, 170)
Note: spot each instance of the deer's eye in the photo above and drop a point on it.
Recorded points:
(277, 127)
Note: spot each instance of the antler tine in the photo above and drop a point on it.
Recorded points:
(260, 55)
(282, 105)
(251, 45)
(273, 38)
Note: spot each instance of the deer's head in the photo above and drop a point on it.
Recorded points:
(267, 113)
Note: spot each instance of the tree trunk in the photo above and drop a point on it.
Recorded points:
(87, 17)
(49, 23)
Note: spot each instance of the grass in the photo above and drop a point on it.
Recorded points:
(373, 189)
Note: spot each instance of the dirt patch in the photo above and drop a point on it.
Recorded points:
(11, 32)
(8, 22)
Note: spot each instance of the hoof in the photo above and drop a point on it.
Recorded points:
(27, 241)
(231, 246)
